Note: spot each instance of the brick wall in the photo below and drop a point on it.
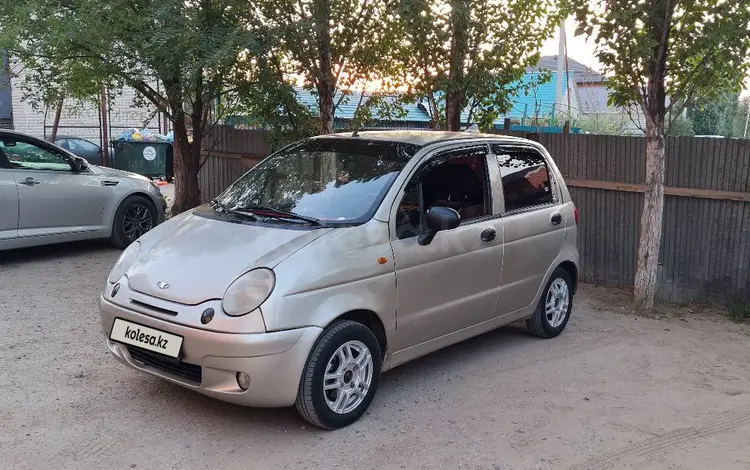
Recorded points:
(76, 118)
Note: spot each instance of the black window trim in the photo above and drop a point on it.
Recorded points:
(553, 181)
(441, 154)
(54, 149)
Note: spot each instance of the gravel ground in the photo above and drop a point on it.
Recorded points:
(613, 391)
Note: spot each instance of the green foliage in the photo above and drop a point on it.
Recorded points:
(197, 51)
(477, 49)
(378, 107)
(333, 44)
(700, 47)
(604, 124)
(681, 126)
(75, 46)
(715, 117)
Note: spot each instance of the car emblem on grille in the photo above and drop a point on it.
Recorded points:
(162, 285)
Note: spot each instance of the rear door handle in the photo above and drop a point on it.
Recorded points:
(488, 235)
(30, 181)
(556, 218)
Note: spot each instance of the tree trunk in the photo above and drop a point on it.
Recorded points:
(453, 106)
(325, 103)
(56, 122)
(326, 81)
(105, 126)
(454, 99)
(186, 190)
(651, 221)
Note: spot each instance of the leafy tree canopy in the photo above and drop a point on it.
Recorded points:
(701, 47)
(471, 53)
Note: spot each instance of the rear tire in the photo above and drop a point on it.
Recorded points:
(553, 311)
(350, 378)
(135, 216)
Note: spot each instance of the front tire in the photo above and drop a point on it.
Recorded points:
(553, 312)
(341, 376)
(135, 216)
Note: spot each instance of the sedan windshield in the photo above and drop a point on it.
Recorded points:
(328, 180)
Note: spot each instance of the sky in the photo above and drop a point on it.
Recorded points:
(581, 50)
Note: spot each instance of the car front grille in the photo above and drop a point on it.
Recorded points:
(188, 372)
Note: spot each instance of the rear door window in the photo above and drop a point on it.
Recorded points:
(525, 176)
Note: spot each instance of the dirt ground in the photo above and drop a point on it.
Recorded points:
(613, 391)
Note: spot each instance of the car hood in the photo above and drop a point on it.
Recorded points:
(199, 256)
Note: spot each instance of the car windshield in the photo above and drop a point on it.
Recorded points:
(330, 180)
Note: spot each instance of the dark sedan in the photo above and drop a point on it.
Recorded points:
(84, 148)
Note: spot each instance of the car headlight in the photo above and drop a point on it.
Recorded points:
(126, 260)
(248, 292)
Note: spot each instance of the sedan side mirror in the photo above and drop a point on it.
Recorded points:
(439, 219)
(79, 164)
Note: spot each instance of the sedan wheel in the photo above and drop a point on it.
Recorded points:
(341, 376)
(137, 221)
(135, 216)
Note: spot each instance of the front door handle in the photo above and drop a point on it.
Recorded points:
(30, 181)
(488, 235)
(556, 218)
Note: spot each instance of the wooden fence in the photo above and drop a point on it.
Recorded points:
(705, 252)
(229, 154)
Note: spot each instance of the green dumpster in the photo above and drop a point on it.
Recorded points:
(151, 159)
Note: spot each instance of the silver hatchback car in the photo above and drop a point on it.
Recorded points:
(340, 257)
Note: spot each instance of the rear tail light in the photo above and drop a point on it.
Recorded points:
(575, 214)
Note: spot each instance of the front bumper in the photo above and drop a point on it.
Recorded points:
(274, 361)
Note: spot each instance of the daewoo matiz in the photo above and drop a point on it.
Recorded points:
(342, 256)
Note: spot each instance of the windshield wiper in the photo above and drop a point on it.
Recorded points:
(217, 206)
(281, 214)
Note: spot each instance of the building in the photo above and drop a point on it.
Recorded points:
(592, 98)
(81, 119)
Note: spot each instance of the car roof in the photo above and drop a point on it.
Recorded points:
(418, 137)
(19, 134)
(68, 136)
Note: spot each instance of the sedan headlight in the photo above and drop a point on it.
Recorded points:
(126, 260)
(248, 292)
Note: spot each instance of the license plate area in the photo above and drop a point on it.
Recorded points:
(146, 337)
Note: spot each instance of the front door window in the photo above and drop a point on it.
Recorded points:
(25, 156)
(456, 179)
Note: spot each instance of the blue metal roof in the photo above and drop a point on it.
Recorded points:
(538, 100)
(351, 100)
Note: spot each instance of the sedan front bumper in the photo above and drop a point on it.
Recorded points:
(211, 360)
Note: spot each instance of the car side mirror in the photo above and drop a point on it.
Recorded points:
(79, 165)
(439, 219)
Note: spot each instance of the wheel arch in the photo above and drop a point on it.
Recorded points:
(571, 268)
(124, 198)
(372, 321)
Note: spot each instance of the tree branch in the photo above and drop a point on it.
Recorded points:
(688, 85)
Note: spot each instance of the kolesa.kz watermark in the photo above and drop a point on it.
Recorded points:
(136, 335)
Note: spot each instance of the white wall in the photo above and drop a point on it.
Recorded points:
(122, 114)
